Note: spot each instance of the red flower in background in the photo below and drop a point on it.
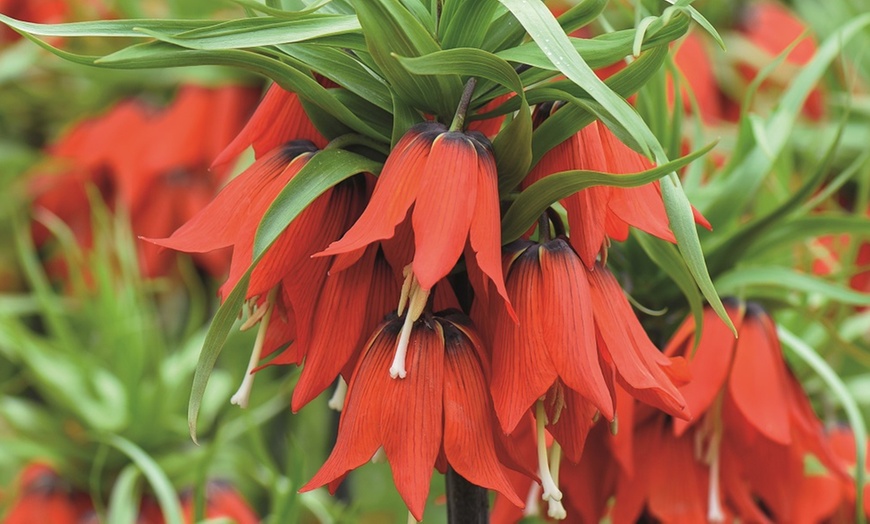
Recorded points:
(441, 414)
(221, 501)
(158, 174)
(771, 28)
(41, 11)
(43, 497)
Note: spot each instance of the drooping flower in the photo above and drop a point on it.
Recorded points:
(440, 415)
(292, 295)
(42, 497)
(576, 341)
(600, 213)
(450, 179)
(158, 175)
(748, 443)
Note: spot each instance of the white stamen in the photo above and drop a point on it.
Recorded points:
(336, 401)
(551, 489)
(415, 298)
(411, 519)
(532, 509)
(397, 369)
(714, 503)
(254, 316)
(379, 456)
(243, 395)
(556, 510)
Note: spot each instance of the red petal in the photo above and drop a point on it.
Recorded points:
(445, 206)
(396, 189)
(485, 233)
(278, 119)
(710, 364)
(568, 326)
(468, 435)
(521, 367)
(413, 416)
(337, 329)
(575, 419)
(638, 362)
(362, 426)
(758, 379)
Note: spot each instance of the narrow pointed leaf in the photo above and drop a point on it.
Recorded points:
(243, 33)
(391, 29)
(325, 169)
(790, 280)
(539, 196)
(163, 489)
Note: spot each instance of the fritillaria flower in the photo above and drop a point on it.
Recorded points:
(285, 283)
(601, 213)
(449, 177)
(42, 496)
(577, 339)
(440, 414)
(748, 443)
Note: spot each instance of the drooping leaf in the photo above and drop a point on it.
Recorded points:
(529, 205)
(255, 32)
(791, 280)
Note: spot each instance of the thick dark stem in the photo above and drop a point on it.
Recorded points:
(466, 503)
(459, 119)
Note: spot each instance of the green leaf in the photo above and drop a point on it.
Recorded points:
(581, 14)
(255, 32)
(791, 280)
(666, 256)
(742, 179)
(343, 69)
(559, 51)
(542, 194)
(390, 30)
(682, 223)
(404, 116)
(161, 54)
(461, 22)
(853, 412)
(110, 28)
(803, 228)
(124, 500)
(280, 13)
(163, 490)
(324, 170)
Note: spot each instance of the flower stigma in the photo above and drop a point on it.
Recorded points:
(243, 395)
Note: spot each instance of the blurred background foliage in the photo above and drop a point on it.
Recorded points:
(96, 366)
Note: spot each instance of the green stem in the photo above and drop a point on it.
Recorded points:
(461, 110)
